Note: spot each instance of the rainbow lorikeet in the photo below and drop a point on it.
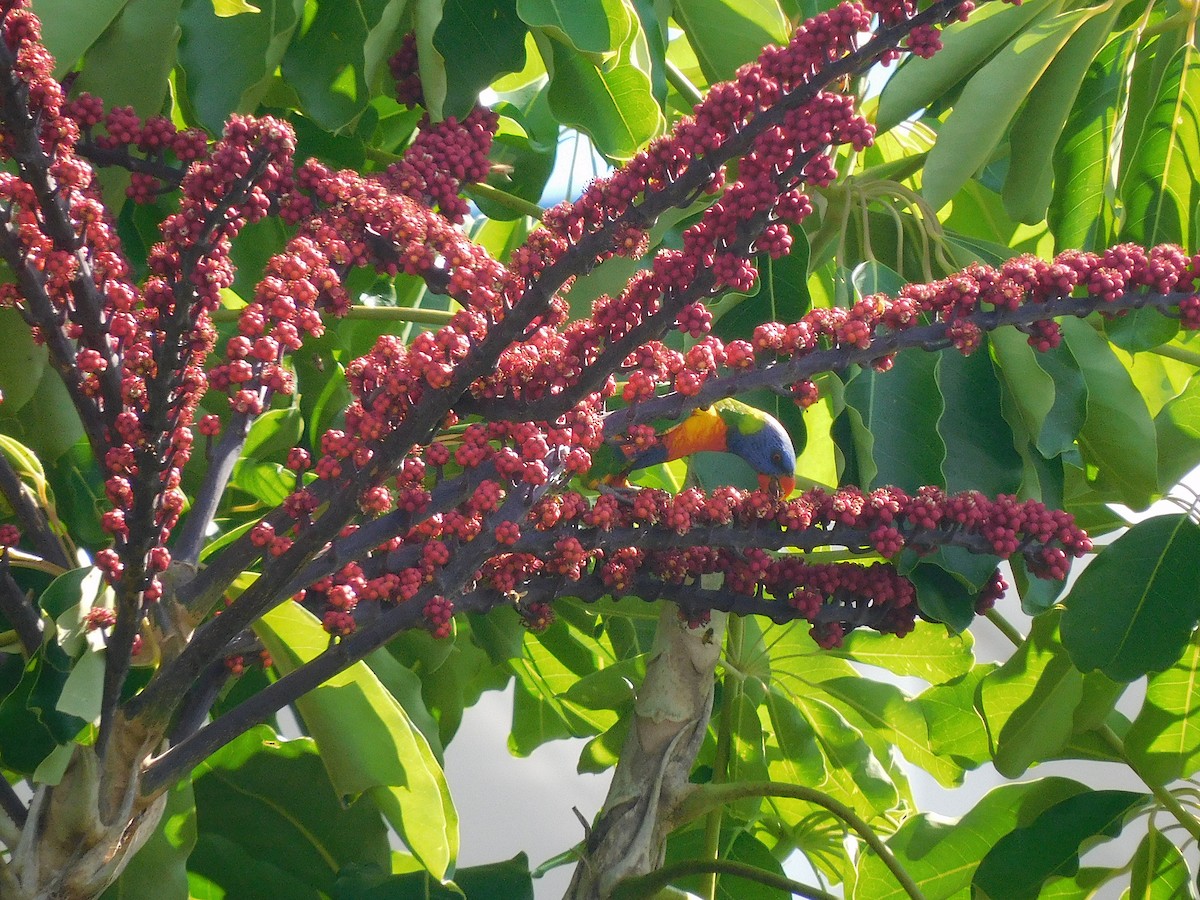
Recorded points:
(728, 426)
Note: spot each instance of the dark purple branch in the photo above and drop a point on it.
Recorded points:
(190, 540)
(20, 613)
(12, 805)
(34, 523)
(159, 422)
(466, 559)
(929, 338)
(122, 158)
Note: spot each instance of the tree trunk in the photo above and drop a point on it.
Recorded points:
(81, 832)
(670, 719)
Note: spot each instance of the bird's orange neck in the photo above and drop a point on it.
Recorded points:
(702, 430)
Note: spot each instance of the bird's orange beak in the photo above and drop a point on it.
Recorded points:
(778, 486)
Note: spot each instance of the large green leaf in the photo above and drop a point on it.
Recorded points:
(885, 710)
(919, 83)
(956, 729)
(1159, 871)
(1118, 434)
(1164, 740)
(1081, 214)
(852, 773)
(70, 28)
(228, 61)
(1133, 609)
(941, 856)
(1036, 131)
(588, 27)
(613, 103)
(367, 741)
(726, 33)
(1047, 390)
(1030, 701)
(979, 444)
(271, 824)
(900, 410)
(927, 652)
(21, 364)
(1177, 427)
(483, 40)
(1159, 187)
(988, 102)
(1023, 859)
(129, 63)
(333, 64)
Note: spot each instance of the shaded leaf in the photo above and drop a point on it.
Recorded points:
(1133, 609)
(367, 741)
(1164, 739)
(1015, 868)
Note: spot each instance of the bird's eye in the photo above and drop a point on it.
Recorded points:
(777, 457)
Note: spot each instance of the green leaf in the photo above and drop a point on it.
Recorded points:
(48, 424)
(726, 33)
(1023, 859)
(1158, 186)
(590, 28)
(272, 825)
(69, 28)
(159, 869)
(901, 409)
(612, 103)
(367, 741)
(337, 57)
(1029, 702)
(228, 62)
(1159, 871)
(927, 652)
(274, 433)
(1164, 739)
(989, 101)
(510, 880)
(1028, 187)
(1047, 390)
(942, 856)
(22, 363)
(956, 729)
(129, 63)
(1133, 609)
(979, 443)
(1177, 427)
(918, 83)
(1081, 213)
(30, 725)
(484, 38)
(852, 773)
(884, 709)
(1118, 434)
(1141, 329)
(943, 597)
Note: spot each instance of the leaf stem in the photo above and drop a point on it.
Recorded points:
(649, 885)
(507, 200)
(1005, 627)
(368, 313)
(720, 795)
(683, 84)
(1170, 351)
(1166, 799)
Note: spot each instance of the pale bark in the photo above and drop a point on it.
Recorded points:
(671, 716)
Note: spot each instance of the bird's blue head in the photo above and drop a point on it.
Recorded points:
(769, 451)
